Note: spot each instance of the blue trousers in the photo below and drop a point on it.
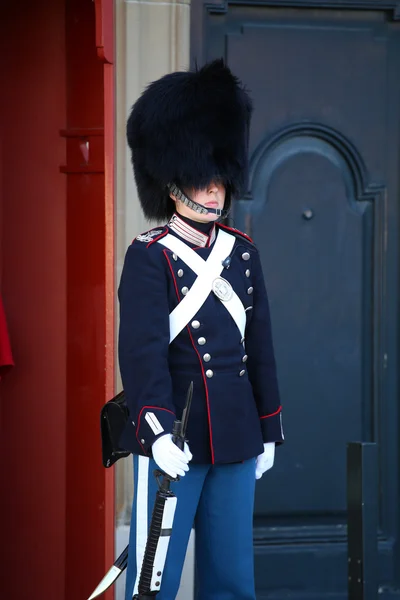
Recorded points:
(218, 501)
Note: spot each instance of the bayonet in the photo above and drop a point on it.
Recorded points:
(160, 526)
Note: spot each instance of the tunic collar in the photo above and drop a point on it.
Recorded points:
(190, 234)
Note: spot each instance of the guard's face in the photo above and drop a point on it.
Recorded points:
(213, 196)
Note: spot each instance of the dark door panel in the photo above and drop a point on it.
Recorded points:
(323, 209)
(313, 263)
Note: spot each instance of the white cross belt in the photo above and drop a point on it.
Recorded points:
(207, 271)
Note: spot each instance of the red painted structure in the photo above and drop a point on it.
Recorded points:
(57, 284)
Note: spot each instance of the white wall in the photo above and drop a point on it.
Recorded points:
(152, 38)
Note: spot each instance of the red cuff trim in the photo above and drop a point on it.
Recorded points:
(273, 414)
(140, 414)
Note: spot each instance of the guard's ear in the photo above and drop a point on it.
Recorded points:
(174, 198)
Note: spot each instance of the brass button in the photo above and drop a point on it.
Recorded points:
(245, 357)
(142, 440)
(247, 273)
(195, 324)
(201, 341)
(174, 256)
(242, 373)
(250, 290)
(245, 256)
(209, 373)
(207, 357)
(180, 273)
(185, 290)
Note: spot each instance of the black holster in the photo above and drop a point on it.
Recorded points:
(113, 417)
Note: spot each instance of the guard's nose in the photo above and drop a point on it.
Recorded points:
(213, 188)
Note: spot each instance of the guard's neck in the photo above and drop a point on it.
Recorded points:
(203, 227)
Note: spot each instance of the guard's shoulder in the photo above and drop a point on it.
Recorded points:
(237, 233)
(146, 239)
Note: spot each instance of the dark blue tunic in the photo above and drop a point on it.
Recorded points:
(236, 405)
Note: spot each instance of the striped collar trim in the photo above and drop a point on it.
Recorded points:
(190, 234)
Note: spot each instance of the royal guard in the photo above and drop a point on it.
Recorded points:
(194, 308)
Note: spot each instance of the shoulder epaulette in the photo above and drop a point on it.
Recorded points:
(149, 237)
(237, 233)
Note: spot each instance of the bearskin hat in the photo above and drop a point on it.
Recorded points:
(189, 128)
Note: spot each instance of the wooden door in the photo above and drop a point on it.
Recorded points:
(323, 208)
(90, 290)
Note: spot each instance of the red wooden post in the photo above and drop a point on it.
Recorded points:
(105, 51)
(90, 291)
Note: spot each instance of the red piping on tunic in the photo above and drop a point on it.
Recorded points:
(273, 414)
(201, 364)
(207, 397)
(236, 231)
(152, 241)
(173, 274)
(157, 238)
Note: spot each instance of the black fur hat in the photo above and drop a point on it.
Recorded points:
(189, 128)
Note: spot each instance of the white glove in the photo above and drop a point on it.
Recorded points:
(169, 457)
(265, 460)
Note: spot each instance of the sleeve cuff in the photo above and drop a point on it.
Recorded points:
(271, 427)
(153, 422)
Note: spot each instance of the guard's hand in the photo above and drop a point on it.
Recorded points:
(265, 461)
(169, 457)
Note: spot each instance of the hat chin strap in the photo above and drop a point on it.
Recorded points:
(198, 208)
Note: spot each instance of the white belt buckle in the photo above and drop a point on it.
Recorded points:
(222, 289)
